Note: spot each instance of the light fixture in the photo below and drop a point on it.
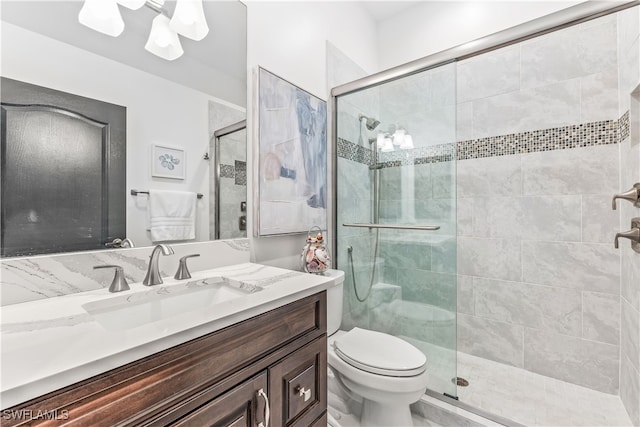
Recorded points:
(163, 41)
(132, 4)
(407, 143)
(388, 145)
(398, 136)
(188, 20)
(380, 140)
(102, 16)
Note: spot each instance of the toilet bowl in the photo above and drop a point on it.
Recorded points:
(385, 372)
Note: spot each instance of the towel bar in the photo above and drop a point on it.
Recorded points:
(136, 192)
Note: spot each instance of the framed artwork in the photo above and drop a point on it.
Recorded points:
(292, 158)
(168, 162)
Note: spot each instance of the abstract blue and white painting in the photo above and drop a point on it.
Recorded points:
(292, 135)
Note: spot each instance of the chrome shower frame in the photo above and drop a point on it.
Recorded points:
(556, 21)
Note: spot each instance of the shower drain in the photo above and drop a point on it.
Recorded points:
(460, 382)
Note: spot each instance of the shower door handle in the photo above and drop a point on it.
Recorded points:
(396, 226)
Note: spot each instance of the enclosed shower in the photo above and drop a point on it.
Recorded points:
(473, 217)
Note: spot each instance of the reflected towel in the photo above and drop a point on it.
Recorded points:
(172, 215)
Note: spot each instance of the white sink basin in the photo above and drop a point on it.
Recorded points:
(162, 302)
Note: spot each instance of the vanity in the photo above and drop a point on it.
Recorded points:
(250, 351)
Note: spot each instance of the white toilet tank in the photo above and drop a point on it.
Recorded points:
(334, 301)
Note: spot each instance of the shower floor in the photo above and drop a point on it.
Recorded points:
(535, 400)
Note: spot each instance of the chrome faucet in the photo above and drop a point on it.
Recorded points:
(153, 276)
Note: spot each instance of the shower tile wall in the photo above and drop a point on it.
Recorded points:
(233, 183)
(629, 101)
(539, 279)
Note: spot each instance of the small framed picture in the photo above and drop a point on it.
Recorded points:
(168, 162)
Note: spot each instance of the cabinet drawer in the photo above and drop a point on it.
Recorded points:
(238, 407)
(299, 380)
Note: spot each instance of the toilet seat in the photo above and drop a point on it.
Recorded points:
(380, 353)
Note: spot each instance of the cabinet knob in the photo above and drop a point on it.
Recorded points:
(303, 392)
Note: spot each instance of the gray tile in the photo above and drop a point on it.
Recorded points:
(443, 255)
(630, 335)
(589, 170)
(630, 390)
(465, 216)
(439, 416)
(464, 121)
(492, 258)
(551, 218)
(599, 221)
(443, 179)
(534, 306)
(498, 341)
(401, 255)
(465, 298)
(601, 317)
(487, 75)
(544, 107)
(630, 277)
(599, 96)
(422, 181)
(497, 176)
(498, 217)
(437, 289)
(587, 266)
(586, 363)
(569, 53)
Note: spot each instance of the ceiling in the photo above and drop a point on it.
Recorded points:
(381, 10)
(220, 56)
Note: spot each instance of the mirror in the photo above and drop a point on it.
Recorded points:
(178, 104)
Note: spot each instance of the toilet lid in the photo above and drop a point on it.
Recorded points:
(380, 353)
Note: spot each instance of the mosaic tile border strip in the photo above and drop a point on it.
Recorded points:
(559, 138)
(227, 171)
(241, 173)
(354, 152)
(624, 126)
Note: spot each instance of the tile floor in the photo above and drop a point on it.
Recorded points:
(535, 400)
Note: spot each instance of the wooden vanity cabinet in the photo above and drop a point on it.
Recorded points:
(221, 379)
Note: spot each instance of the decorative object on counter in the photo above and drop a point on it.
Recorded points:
(292, 158)
(168, 162)
(315, 256)
(172, 215)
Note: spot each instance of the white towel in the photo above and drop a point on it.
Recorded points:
(172, 215)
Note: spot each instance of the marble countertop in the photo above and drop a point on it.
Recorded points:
(54, 342)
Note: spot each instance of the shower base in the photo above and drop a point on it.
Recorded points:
(535, 400)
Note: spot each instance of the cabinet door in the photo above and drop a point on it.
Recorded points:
(298, 385)
(242, 406)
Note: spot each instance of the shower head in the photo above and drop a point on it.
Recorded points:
(371, 123)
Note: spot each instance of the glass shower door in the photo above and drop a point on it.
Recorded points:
(396, 170)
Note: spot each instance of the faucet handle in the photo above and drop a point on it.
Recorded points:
(183, 270)
(632, 195)
(633, 235)
(119, 282)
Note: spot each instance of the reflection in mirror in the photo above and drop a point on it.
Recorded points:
(231, 181)
(176, 103)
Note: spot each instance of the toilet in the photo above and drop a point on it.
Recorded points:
(385, 372)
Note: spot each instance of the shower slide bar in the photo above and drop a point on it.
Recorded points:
(396, 226)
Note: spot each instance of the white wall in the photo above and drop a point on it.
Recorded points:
(434, 26)
(289, 39)
(158, 111)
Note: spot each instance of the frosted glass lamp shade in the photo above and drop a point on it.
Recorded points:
(188, 19)
(380, 141)
(407, 143)
(132, 4)
(398, 136)
(388, 145)
(102, 16)
(163, 41)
